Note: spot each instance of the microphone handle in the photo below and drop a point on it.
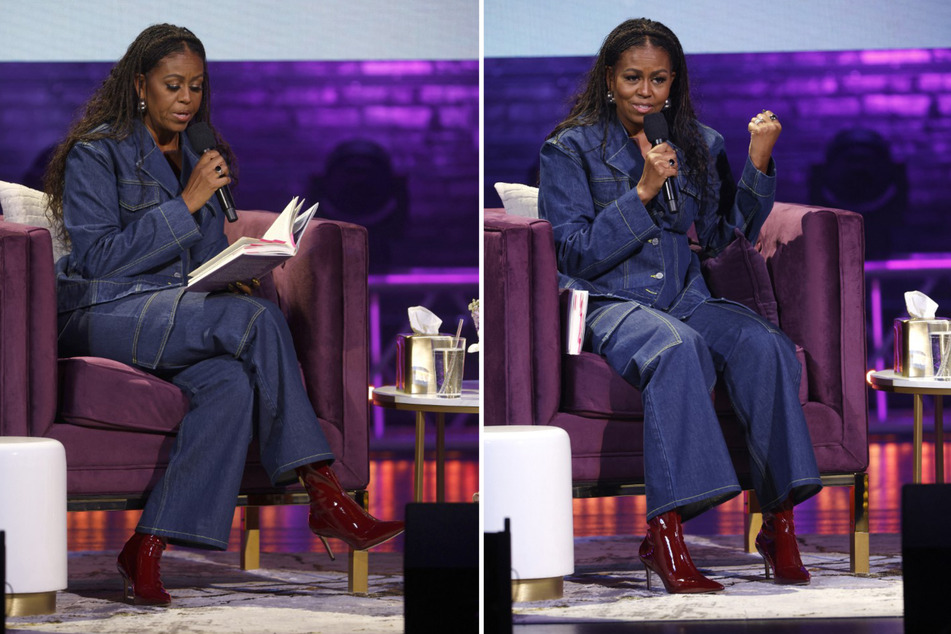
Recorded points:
(669, 195)
(227, 203)
(668, 188)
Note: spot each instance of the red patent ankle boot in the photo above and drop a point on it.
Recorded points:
(664, 552)
(139, 566)
(777, 544)
(333, 513)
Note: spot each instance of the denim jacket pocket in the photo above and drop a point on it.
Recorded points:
(135, 196)
(606, 189)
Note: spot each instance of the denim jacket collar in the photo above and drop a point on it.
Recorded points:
(153, 162)
(623, 154)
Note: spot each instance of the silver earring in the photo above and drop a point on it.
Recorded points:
(610, 97)
(142, 107)
(667, 104)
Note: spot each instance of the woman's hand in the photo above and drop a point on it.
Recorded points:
(210, 174)
(244, 288)
(764, 131)
(660, 163)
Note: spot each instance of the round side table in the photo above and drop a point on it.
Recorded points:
(33, 518)
(391, 397)
(890, 381)
(526, 476)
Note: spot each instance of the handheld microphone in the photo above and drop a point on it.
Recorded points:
(655, 127)
(203, 139)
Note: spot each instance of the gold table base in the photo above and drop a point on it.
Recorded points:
(31, 603)
(538, 589)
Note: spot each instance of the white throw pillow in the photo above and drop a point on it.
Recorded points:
(26, 206)
(518, 199)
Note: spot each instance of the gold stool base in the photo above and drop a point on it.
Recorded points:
(538, 589)
(31, 603)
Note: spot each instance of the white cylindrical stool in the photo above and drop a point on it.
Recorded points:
(33, 516)
(526, 471)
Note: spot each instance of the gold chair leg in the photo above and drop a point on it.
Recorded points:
(358, 566)
(858, 539)
(358, 572)
(752, 520)
(250, 537)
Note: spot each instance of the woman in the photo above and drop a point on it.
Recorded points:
(137, 203)
(651, 315)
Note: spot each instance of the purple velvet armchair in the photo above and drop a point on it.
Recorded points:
(117, 423)
(814, 258)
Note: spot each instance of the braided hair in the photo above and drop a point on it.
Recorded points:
(591, 104)
(113, 108)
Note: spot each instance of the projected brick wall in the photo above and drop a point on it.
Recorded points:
(283, 120)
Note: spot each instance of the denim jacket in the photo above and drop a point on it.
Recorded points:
(130, 229)
(609, 243)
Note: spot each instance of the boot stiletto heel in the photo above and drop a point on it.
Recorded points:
(327, 546)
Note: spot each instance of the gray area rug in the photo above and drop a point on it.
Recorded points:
(294, 593)
(609, 583)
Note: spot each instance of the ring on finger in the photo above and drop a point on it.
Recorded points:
(772, 117)
(218, 169)
(759, 120)
(671, 162)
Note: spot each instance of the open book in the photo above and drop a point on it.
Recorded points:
(248, 258)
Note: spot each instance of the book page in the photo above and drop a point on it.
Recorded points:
(303, 219)
(281, 229)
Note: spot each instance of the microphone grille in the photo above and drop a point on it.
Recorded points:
(201, 136)
(655, 127)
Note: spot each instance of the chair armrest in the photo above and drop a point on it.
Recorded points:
(816, 259)
(28, 379)
(323, 292)
(521, 321)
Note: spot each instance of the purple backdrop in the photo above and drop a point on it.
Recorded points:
(283, 119)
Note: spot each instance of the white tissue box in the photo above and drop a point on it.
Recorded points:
(913, 345)
(415, 373)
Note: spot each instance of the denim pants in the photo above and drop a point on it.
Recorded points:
(675, 363)
(234, 357)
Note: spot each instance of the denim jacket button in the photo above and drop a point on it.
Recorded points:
(655, 241)
(177, 274)
(659, 276)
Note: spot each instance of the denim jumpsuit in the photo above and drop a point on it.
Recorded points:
(652, 317)
(121, 296)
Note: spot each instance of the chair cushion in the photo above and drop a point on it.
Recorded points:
(739, 273)
(591, 388)
(106, 394)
